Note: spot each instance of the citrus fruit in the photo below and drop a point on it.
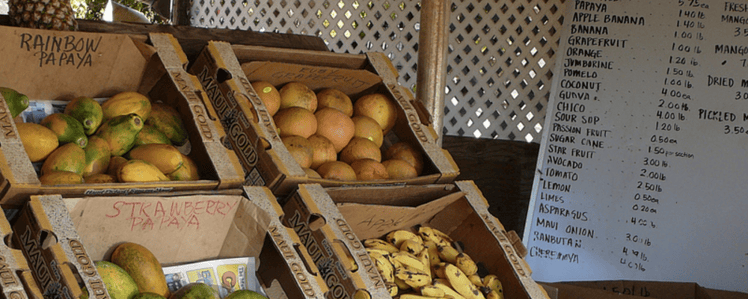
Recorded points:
(367, 127)
(335, 126)
(369, 170)
(300, 149)
(323, 150)
(404, 151)
(360, 148)
(333, 98)
(295, 121)
(38, 141)
(399, 169)
(297, 94)
(118, 282)
(379, 107)
(337, 170)
(269, 96)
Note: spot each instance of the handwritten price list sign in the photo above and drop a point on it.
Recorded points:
(642, 168)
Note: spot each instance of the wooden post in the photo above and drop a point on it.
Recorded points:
(432, 60)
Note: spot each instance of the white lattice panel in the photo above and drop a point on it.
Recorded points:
(501, 53)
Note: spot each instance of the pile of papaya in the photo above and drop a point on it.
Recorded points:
(133, 272)
(125, 138)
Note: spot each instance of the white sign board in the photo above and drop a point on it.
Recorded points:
(643, 167)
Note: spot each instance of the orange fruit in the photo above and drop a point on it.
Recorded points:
(404, 151)
(379, 107)
(312, 174)
(399, 169)
(333, 98)
(300, 149)
(335, 126)
(369, 170)
(269, 96)
(360, 148)
(295, 121)
(367, 127)
(337, 170)
(323, 150)
(297, 94)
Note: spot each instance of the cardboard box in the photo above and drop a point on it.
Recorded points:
(638, 289)
(45, 234)
(16, 278)
(458, 209)
(226, 72)
(178, 230)
(52, 65)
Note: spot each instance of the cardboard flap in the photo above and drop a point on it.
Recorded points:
(350, 82)
(159, 223)
(373, 221)
(65, 61)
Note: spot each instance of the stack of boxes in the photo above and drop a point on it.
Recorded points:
(253, 199)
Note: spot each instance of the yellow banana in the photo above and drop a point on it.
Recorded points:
(408, 260)
(444, 285)
(413, 277)
(412, 246)
(494, 295)
(492, 281)
(475, 279)
(372, 252)
(433, 252)
(438, 270)
(392, 288)
(401, 285)
(424, 257)
(442, 235)
(385, 268)
(466, 264)
(447, 253)
(461, 283)
(416, 296)
(428, 233)
(397, 237)
(432, 291)
(380, 244)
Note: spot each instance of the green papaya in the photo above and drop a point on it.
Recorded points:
(17, 102)
(120, 132)
(87, 111)
(168, 120)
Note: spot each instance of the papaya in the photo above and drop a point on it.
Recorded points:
(67, 128)
(38, 141)
(148, 295)
(125, 103)
(87, 111)
(164, 156)
(58, 177)
(114, 164)
(120, 132)
(188, 171)
(245, 294)
(195, 290)
(99, 178)
(98, 156)
(142, 266)
(17, 102)
(119, 284)
(149, 134)
(67, 157)
(139, 171)
(168, 120)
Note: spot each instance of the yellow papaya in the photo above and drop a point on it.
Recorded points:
(149, 134)
(188, 171)
(168, 120)
(38, 141)
(139, 171)
(125, 103)
(142, 266)
(58, 177)
(99, 178)
(114, 163)
(164, 156)
(97, 156)
(67, 157)
(67, 128)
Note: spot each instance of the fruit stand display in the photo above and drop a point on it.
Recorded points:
(301, 116)
(148, 98)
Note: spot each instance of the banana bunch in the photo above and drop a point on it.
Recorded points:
(425, 264)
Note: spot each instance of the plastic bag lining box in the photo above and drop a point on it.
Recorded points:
(109, 63)
(177, 229)
(458, 209)
(16, 278)
(221, 70)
